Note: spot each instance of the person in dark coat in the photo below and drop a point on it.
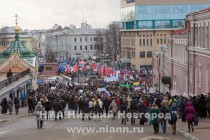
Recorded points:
(133, 109)
(9, 75)
(85, 109)
(48, 107)
(196, 107)
(202, 106)
(63, 106)
(208, 104)
(190, 114)
(106, 104)
(124, 106)
(174, 116)
(97, 110)
(4, 106)
(164, 110)
(57, 108)
(30, 105)
(17, 105)
(80, 103)
(142, 110)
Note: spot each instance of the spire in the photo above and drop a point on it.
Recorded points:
(17, 28)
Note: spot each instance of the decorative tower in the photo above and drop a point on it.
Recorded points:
(17, 47)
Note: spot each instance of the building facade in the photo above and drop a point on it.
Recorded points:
(178, 61)
(156, 14)
(199, 48)
(138, 46)
(189, 55)
(73, 42)
(7, 36)
(142, 17)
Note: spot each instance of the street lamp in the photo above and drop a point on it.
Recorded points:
(157, 54)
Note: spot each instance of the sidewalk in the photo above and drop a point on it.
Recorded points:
(201, 132)
(7, 117)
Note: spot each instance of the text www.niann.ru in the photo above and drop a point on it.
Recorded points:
(106, 129)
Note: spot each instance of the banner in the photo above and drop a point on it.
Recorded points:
(128, 86)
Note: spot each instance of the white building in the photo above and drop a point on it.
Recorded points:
(72, 41)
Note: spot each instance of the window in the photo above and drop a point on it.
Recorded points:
(157, 41)
(75, 39)
(142, 54)
(80, 39)
(150, 42)
(75, 48)
(149, 54)
(143, 42)
(80, 47)
(91, 47)
(140, 42)
(164, 41)
(85, 47)
(128, 54)
(161, 41)
(91, 39)
(147, 42)
(85, 39)
(199, 75)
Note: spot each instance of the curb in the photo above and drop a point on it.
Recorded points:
(184, 134)
(7, 120)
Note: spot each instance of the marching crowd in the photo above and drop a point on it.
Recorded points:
(88, 100)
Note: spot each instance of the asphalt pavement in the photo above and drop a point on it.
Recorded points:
(26, 129)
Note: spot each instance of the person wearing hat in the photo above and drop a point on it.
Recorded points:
(39, 112)
(174, 116)
(154, 111)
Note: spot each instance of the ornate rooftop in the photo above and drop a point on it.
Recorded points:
(16, 46)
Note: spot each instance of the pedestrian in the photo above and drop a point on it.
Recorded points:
(17, 105)
(97, 110)
(9, 75)
(48, 107)
(190, 115)
(124, 106)
(4, 106)
(154, 111)
(163, 121)
(208, 104)
(142, 110)
(133, 109)
(113, 107)
(10, 105)
(174, 116)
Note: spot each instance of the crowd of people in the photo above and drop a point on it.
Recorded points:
(56, 96)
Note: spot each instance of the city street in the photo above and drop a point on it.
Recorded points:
(25, 128)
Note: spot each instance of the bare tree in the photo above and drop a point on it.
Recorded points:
(50, 55)
(112, 36)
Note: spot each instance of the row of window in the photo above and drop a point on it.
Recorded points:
(141, 35)
(86, 39)
(145, 42)
(86, 48)
(143, 54)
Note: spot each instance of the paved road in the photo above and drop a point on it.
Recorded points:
(25, 129)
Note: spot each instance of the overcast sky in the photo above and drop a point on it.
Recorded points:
(43, 14)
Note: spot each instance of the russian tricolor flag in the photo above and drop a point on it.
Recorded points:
(105, 92)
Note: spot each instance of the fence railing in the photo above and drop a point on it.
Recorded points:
(14, 78)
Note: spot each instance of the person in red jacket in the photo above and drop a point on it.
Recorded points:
(190, 114)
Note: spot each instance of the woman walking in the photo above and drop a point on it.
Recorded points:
(190, 115)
